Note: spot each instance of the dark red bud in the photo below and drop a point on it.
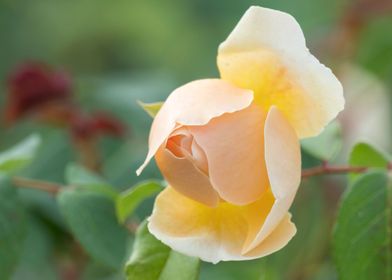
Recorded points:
(84, 126)
(32, 85)
(108, 125)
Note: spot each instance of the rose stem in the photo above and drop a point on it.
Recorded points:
(49, 187)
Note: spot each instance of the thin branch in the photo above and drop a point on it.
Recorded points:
(324, 169)
(52, 188)
(327, 169)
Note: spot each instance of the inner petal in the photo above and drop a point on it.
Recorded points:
(184, 165)
(186, 178)
(199, 157)
(183, 145)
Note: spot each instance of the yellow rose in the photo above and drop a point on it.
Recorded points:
(229, 148)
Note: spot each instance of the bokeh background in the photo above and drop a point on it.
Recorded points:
(117, 52)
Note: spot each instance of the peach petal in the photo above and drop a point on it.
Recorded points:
(283, 162)
(212, 234)
(195, 103)
(266, 52)
(186, 178)
(276, 240)
(234, 147)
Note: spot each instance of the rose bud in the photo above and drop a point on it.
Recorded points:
(229, 148)
(34, 85)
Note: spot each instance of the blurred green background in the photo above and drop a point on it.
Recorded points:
(121, 51)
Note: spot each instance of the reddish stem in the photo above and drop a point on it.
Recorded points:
(45, 186)
(327, 169)
(323, 169)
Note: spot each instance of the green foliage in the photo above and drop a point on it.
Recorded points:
(12, 216)
(152, 260)
(151, 108)
(127, 201)
(36, 261)
(326, 145)
(20, 155)
(374, 47)
(365, 155)
(12, 228)
(363, 238)
(88, 208)
(80, 176)
(91, 219)
(76, 175)
(95, 271)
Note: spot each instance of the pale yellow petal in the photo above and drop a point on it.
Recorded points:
(276, 240)
(195, 103)
(212, 234)
(234, 147)
(266, 52)
(283, 162)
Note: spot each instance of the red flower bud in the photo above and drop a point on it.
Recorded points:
(108, 125)
(98, 124)
(32, 85)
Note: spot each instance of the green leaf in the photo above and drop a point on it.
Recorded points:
(20, 155)
(12, 228)
(152, 260)
(92, 220)
(83, 178)
(327, 145)
(365, 155)
(362, 240)
(151, 108)
(127, 201)
(37, 252)
(78, 175)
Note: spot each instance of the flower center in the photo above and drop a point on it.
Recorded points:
(182, 144)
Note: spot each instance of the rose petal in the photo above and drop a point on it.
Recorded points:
(283, 162)
(212, 234)
(266, 52)
(215, 234)
(195, 103)
(186, 178)
(234, 147)
(276, 240)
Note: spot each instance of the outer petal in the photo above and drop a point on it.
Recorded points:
(195, 103)
(277, 239)
(266, 52)
(234, 147)
(283, 161)
(215, 234)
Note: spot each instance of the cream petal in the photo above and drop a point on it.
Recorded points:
(212, 234)
(283, 162)
(187, 179)
(267, 53)
(195, 103)
(234, 147)
(276, 240)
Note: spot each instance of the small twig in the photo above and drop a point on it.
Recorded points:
(325, 169)
(49, 187)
